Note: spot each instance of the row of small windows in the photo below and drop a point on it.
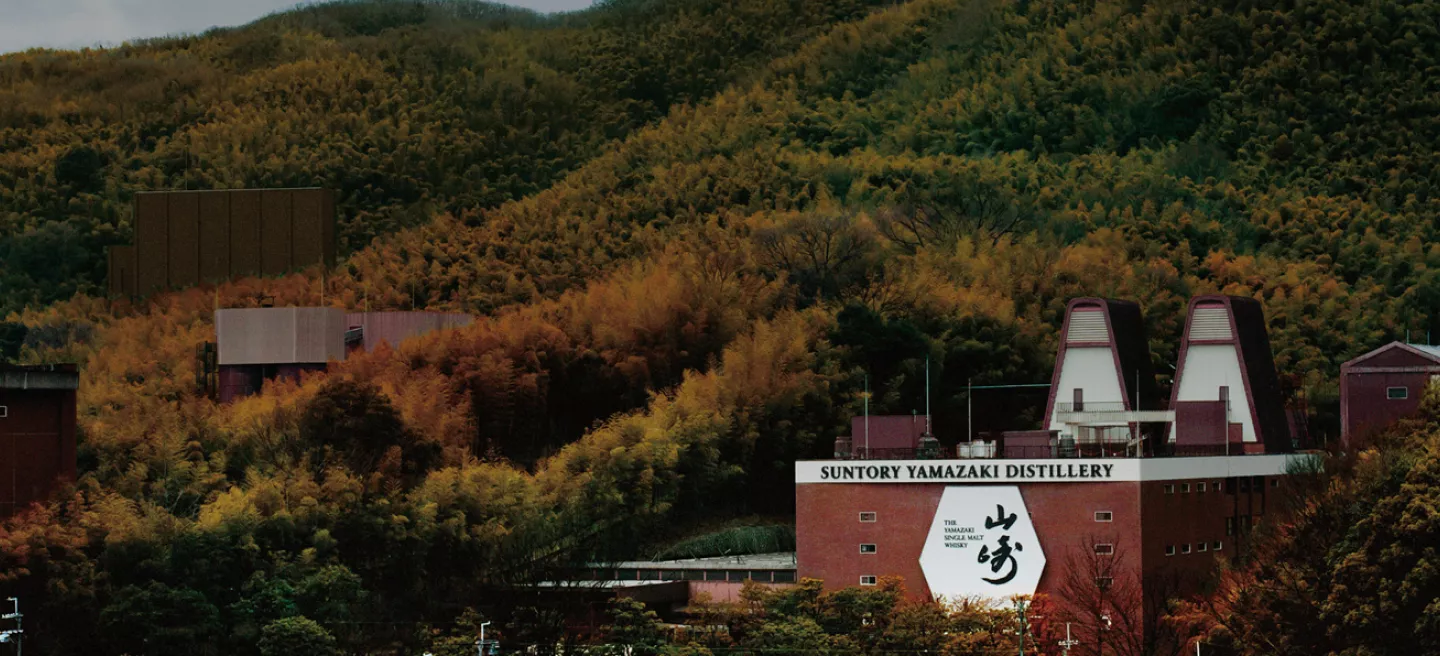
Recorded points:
(730, 575)
(1201, 547)
(1244, 484)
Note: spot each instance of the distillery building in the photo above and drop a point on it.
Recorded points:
(1121, 496)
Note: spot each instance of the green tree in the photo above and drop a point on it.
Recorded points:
(291, 636)
(634, 627)
(158, 619)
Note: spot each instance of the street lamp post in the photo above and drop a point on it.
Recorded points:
(1068, 642)
(1020, 611)
(16, 632)
(480, 646)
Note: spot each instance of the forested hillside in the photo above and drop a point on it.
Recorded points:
(407, 108)
(689, 245)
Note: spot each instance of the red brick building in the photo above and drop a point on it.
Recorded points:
(1118, 499)
(1384, 385)
(37, 433)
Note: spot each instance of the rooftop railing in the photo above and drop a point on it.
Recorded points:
(1052, 451)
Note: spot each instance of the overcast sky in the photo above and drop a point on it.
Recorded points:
(78, 23)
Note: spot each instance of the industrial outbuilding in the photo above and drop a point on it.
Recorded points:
(1383, 386)
(254, 345)
(183, 238)
(37, 433)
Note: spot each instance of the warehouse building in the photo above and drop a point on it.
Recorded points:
(254, 345)
(37, 433)
(1383, 386)
(184, 238)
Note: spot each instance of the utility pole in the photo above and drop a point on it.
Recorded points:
(15, 633)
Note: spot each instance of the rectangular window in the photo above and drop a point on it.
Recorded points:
(1104, 516)
(1217, 545)
(867, 517)
(785, 576)
(626, 575)
(1201, 547)
(760, 575)
(1229, 526)
(1185, 549)
(694, 575)
(1275, 482)
(1219, 486)
(1199, 487)
(867, 548)
(4, 411)
(735, 576)
(1397, 393)
(1184, 488)
(868, 579)
(1079, 400)
(1104, 582)
(1169, 549)
(1169, 489)
(1104, 549)
(714, 575)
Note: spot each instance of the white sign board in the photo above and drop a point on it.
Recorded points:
(982, 544)
(1054, 470)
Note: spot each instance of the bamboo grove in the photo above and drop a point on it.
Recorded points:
(690, 231)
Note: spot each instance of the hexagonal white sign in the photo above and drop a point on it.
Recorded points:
(982, 544)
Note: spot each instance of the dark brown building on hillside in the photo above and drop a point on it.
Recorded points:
(37, 433)
(183, 238)
(1384, 385)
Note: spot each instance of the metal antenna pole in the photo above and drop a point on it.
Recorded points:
(969, 410)
(867, 416)
(928, 431)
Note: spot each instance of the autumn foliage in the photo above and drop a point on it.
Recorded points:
(689, 232)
